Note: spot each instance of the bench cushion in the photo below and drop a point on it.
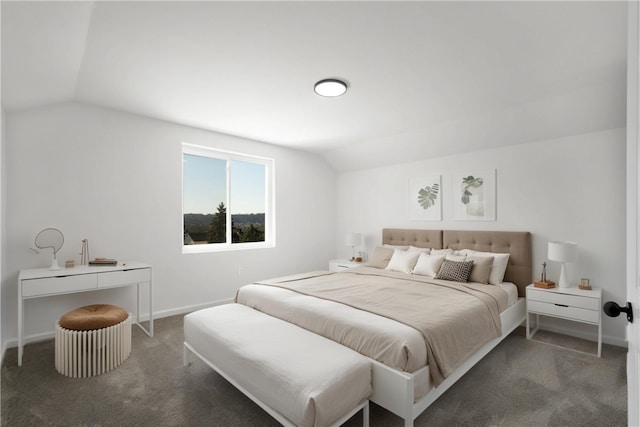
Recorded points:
(309, 379)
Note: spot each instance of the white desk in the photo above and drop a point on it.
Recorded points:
(42, 282)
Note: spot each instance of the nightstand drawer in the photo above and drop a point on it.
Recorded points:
(123, 277)
(341, 265)
(555, 310)
(58, 285)
(565, 299)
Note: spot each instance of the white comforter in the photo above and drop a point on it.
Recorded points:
(456, 323)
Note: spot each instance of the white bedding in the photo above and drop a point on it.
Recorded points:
(393, 343)
(399, 346)
(512, 292)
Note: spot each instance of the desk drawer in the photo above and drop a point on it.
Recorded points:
(124, 277)
(572, 313)
(565, 299)
(58, 285)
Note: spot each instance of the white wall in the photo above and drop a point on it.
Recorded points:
(115, 179)
(563, 189)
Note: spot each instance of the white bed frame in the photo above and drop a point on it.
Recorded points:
(394, 390)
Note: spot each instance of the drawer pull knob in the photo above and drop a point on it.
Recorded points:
(561, 305)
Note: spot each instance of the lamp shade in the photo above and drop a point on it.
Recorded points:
(563, 251)
(353, 239)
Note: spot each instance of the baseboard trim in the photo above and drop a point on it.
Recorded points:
(44, 336)
(4, 352)
(189, 308)
(13, 342)
(606, 339)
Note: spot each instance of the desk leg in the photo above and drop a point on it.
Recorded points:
(138, 303)
(599, 337)
(148, 331)
(151, 306)
(20, 329)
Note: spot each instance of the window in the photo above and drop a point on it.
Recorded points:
(227, 200)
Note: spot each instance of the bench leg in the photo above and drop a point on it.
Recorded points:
(185, 356)
(365, 414)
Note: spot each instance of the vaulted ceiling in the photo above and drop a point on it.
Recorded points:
(434, 78)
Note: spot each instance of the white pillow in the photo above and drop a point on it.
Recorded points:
(417, 249)
(399, 247)
(403, 261)
(441, 251)
(498, 267)
(428, 265)
(455, 257)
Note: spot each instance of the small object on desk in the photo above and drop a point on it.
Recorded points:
(69, 264)
(545, 285)
(584, 285)
(543, 282)
(103, 261)
(358, 259)
(84, 253)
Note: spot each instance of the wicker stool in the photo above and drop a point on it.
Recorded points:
(92, 340)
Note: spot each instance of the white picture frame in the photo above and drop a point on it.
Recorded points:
(425, 198)
(474, 195)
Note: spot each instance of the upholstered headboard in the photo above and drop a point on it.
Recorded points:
(516, 243)
(418, 238)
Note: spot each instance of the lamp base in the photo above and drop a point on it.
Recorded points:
(54, 264)
(564, 281)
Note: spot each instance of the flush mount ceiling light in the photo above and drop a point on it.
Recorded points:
(330, 87)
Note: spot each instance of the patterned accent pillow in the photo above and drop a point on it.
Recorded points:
(457, 271)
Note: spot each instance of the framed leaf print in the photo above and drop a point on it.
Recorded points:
(474, 195)
(425, 198)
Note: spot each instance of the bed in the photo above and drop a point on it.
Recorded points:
(414, 358)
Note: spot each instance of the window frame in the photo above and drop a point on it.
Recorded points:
(269, 214)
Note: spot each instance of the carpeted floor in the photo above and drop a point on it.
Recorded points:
(520, 383)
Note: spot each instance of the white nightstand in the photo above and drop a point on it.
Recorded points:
(343, 264)
(566, 303)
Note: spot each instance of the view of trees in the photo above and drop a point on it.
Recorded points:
(218, 228)
(211, 228)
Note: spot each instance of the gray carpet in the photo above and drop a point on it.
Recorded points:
(520, 383)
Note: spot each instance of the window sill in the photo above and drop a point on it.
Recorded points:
(199, 249)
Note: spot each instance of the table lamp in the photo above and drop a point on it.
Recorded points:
(353, 240)
(563, 252)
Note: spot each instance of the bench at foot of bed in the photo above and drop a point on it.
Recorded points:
(297, 376)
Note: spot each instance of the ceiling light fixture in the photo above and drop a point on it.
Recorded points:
(330, 87)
